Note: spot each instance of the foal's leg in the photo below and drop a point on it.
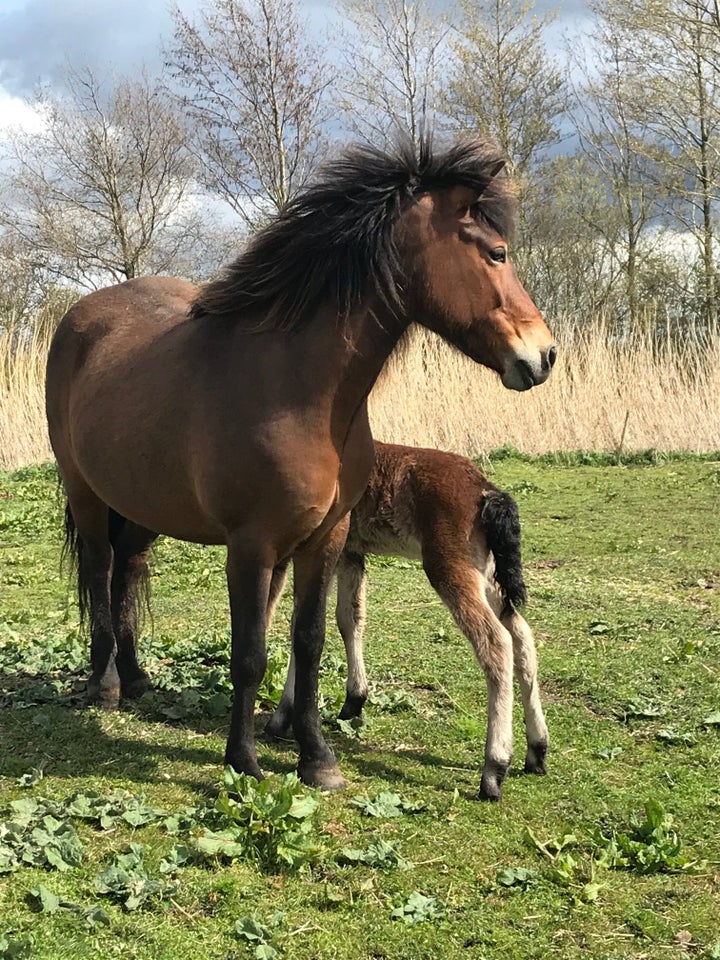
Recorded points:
(350, 613)
(525, 659)
(461, 588)
(95, 562)
(249, 579)
(314, 569)
(131, 547)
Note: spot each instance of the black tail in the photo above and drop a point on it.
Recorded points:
(501, 525)
(72, 553)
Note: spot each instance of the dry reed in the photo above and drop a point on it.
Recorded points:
(603, 392)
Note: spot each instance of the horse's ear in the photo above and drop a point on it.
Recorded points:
(499, 166)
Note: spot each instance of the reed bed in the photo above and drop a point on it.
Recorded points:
(605, 394)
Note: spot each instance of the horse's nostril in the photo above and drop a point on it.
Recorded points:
(552, 356)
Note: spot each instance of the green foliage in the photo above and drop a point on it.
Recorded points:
(43, 900)
(259, 936)
(516, 877)
(387, 804)
(418, 909)
(650, 846)
(15, 948)
(380, 853)
(37, 838)
(271, 823)
(127, 881)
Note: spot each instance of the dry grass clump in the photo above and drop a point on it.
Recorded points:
(605, 391)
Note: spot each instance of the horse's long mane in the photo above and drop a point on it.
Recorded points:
(334, 242)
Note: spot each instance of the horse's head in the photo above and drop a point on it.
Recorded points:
(465, 287)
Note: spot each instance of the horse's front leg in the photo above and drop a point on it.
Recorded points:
(314, 569)
(351, 614)
(249, 578)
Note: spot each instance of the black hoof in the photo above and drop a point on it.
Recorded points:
(249, 767)
(105, 697)
(352, 708)
(492, 781)
(535, 759)
(277, 728)
(327, 776)
(135, 688)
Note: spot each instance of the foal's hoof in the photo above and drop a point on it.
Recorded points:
(107, 698)
(327, 776)
(352, 708)
(492, 781)
(535, 759)
(134, 689)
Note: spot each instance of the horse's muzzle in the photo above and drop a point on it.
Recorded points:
(529, 369)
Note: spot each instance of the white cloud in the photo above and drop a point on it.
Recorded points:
(17, 113)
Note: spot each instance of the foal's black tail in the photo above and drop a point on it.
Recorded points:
(501, 525)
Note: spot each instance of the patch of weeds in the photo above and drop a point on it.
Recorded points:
(387, 804)
(568, 867)
(127, 881)
(259, 936)
(609, 753)
(712, 719)
(35, 838)
(650, 846)
(15, 948)
(419, 909)
(516, 877)
(120, 806)
(380, 854)
(673, 738)
(641, 708)
(43, 900)
(393, 701)
(271, 823)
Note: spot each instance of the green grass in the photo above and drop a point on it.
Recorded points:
(623, 567)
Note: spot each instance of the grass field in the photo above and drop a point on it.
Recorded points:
(615, 855)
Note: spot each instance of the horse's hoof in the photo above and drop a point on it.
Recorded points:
(327, 776)
(134, 689)
(277, 728)
(107, 698)
(250, 769)
(492, 781)
(535, 759)
(352, 708)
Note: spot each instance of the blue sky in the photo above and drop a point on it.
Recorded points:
(37, 37)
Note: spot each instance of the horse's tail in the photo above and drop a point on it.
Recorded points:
(500, 521)
(72, 554)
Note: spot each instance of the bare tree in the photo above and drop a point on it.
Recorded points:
(504, 83)
(253, 88)
(393, 52)
(100, 191)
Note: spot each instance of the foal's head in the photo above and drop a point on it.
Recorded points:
(453, 239)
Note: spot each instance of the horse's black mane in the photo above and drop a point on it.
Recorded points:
(334, 241)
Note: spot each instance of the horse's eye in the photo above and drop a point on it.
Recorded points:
(498, 254)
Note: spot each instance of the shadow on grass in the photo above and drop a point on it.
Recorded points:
(44, 720)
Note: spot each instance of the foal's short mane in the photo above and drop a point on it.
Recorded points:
(333, 244)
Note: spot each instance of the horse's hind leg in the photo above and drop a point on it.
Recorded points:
(88, 537)
(350, 614)
(525, 660)
(131, 546)
(461, 588)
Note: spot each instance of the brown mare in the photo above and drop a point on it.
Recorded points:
(439, 508)
(236, 413)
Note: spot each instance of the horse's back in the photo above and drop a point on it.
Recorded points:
(414, 494)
